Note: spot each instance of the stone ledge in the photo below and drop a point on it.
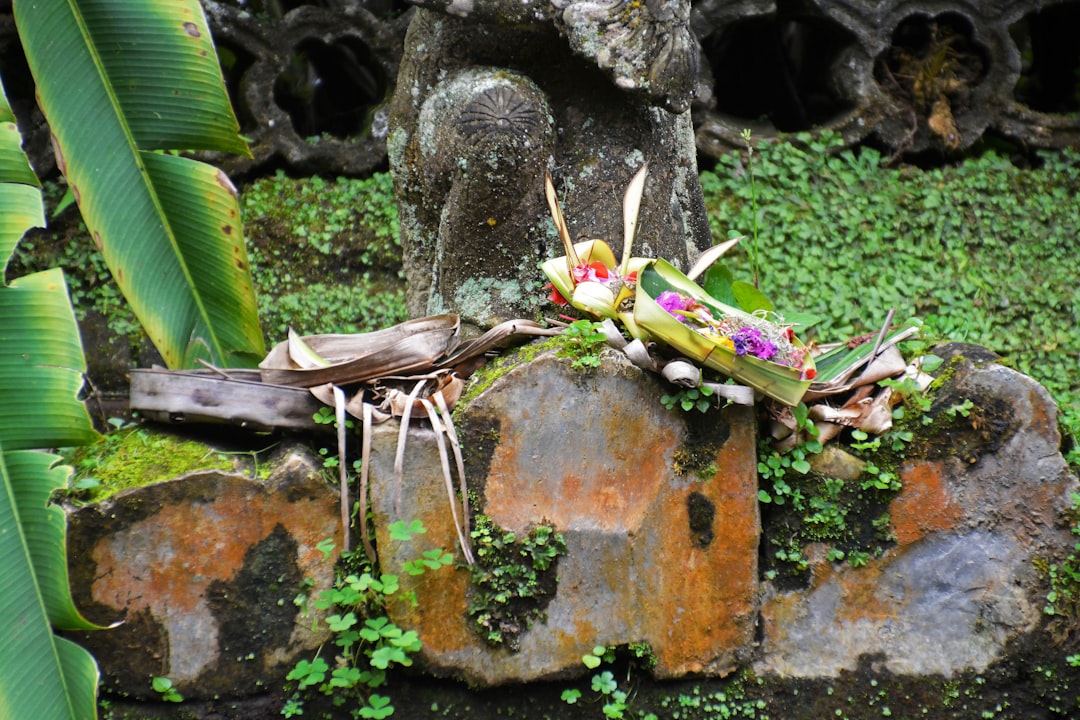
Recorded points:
(596, 455)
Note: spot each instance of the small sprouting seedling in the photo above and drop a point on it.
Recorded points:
(804, 423)
(962, 409)
(164, 687)
(582, 342)
(914, 399)
(858, 558)
(378, 707)
(860, 440)
(292, 708)
(878, 479)
(792, 554)
(899, 439)
(330, 460)
(431, 560)
(883, 527)
(308, 673)
(598, 655)
(325, 546)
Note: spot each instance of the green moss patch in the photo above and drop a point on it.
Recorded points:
(134, 457)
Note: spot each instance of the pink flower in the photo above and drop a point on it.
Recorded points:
(593, 272)
(672, 301)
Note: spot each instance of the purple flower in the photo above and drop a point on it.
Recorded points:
(749, 341)
(672, 301)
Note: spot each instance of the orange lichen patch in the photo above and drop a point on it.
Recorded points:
(166, 561)
(164, 552)
(697, 607)
(612, 487)
(924, 505)
(856, 593)
(442, 625)
(1041, 412)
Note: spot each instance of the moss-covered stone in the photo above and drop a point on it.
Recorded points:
(134, 457)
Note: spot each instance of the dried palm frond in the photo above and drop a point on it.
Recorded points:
(406, 370)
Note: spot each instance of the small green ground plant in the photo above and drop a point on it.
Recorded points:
(325, 254)
(367, 645)
(163, 686)
(615, 703)
(1062, 605)
(66, 244)
(802, 506)
(513, 579)
(582, 342)
(699, 398)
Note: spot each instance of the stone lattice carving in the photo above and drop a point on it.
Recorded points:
(915, 75)
(490, 96)
(310, 81)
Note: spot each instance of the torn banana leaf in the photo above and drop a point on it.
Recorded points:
(843, 368)
(712, 348)
(412, 346)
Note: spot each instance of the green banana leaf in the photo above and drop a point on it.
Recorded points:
(41, 366)
(781, 382)
(841, 361)
(119, 82)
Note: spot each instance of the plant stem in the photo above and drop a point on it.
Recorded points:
(754, 258)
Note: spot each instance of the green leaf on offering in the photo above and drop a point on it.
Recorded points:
(749, 298)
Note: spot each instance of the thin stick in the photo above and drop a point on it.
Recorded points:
(365, 459)
(339, 415)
